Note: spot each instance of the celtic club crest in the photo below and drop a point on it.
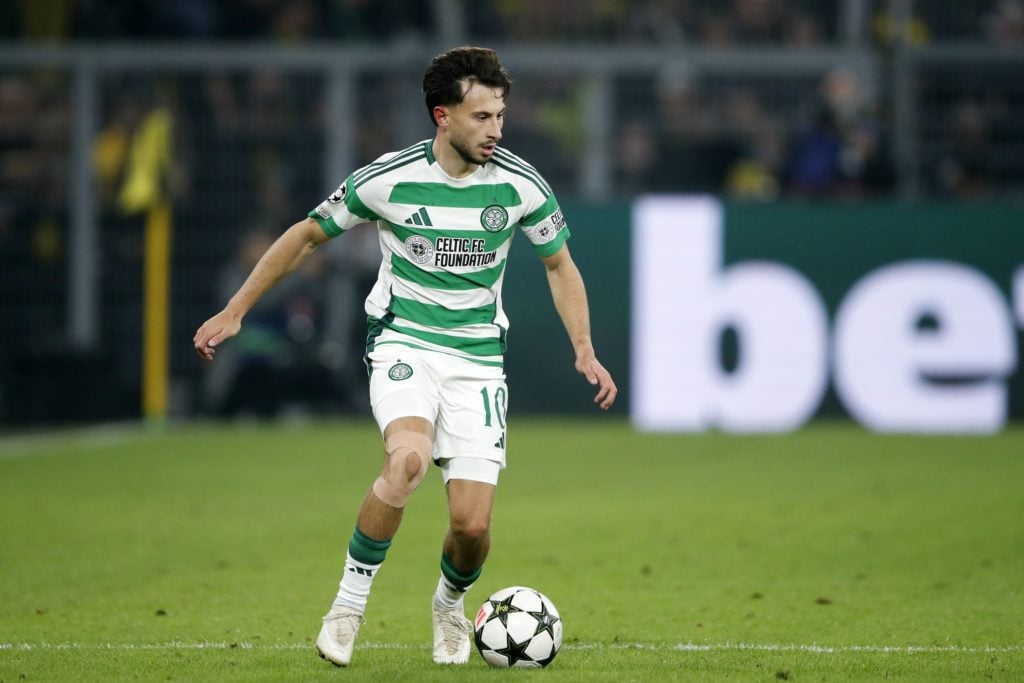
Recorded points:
(400, 371)
(494, 218)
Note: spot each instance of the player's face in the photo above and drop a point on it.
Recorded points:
(475, 124)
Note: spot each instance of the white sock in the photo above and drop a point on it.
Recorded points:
(354, 588)
(448, 596)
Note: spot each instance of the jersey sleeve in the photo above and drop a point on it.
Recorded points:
(545, 226)
(342, 210)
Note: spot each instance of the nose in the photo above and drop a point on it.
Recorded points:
(494, 130)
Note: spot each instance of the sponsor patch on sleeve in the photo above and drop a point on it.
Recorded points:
(547, 229)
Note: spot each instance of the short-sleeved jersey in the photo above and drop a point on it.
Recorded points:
(444, 242)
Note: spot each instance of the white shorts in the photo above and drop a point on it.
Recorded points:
(465, 401)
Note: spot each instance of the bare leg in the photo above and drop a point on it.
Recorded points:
(376, 525)
(465, 548)
(468, 540)
(376, 518)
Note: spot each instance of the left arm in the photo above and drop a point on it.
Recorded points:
(570, 297)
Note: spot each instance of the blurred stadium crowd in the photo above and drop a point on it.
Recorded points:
(705, 22)
(249, 142)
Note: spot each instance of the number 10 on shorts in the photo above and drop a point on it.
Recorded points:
(500, 406)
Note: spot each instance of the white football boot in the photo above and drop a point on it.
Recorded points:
(451, 635)
(338, 635)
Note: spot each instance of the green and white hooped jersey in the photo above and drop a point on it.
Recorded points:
(444, 243)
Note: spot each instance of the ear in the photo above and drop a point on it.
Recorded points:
(441, 116)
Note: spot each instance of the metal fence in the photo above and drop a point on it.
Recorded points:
(261, 134)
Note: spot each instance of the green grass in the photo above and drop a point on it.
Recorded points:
(210, 553)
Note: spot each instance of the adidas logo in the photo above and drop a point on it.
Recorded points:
(419, 218)
(360, 570)
(500, 443)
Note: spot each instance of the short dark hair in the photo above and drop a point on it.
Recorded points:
(442, 82)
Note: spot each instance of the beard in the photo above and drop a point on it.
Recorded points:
(466, 154)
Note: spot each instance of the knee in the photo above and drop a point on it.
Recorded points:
(408, 458)
(470, 529)
(413, 465)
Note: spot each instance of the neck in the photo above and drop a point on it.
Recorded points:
(450, 160)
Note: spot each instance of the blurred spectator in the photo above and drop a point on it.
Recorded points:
(755, 176)
(663, 22)
(695, 152)
(802, 30)
(965, 170)
(33, 219)
(296, 22)
(1005, 24)
(198, 19)
(114, 19)
(364, 21)
(843, 152)
(138, 162)
(543, 125)
(248, 19)
(635, 158)
(111, 146)
(527, 21)
(257, 137)
(887, 30)
(286, 21)
(755, 173)
(43, 21)
(273, 365)
(758, 21)
(717, 29)
(354, 264)
(763, 22)
(33, 209)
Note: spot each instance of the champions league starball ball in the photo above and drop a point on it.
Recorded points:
(518, 627)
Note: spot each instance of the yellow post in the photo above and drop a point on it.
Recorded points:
(156, 311)
(143, 192)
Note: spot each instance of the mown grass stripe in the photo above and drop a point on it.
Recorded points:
(657, 647)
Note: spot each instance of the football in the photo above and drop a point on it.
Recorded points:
(518, 627)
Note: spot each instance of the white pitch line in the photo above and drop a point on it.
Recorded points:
(82, 440)
(680, 647)
(831, 649)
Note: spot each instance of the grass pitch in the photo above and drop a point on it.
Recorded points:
(211, 552)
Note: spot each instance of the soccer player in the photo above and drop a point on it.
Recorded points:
(446, 210)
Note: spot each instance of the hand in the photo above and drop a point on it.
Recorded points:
(599, 377)
(210, 334)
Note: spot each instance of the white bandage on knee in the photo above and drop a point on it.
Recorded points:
(409, 455)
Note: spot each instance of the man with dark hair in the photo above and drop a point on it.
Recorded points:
(446, 210)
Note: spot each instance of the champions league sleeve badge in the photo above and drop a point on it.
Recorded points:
(338, 194)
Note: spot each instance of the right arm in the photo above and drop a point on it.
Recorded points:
(283, 256)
